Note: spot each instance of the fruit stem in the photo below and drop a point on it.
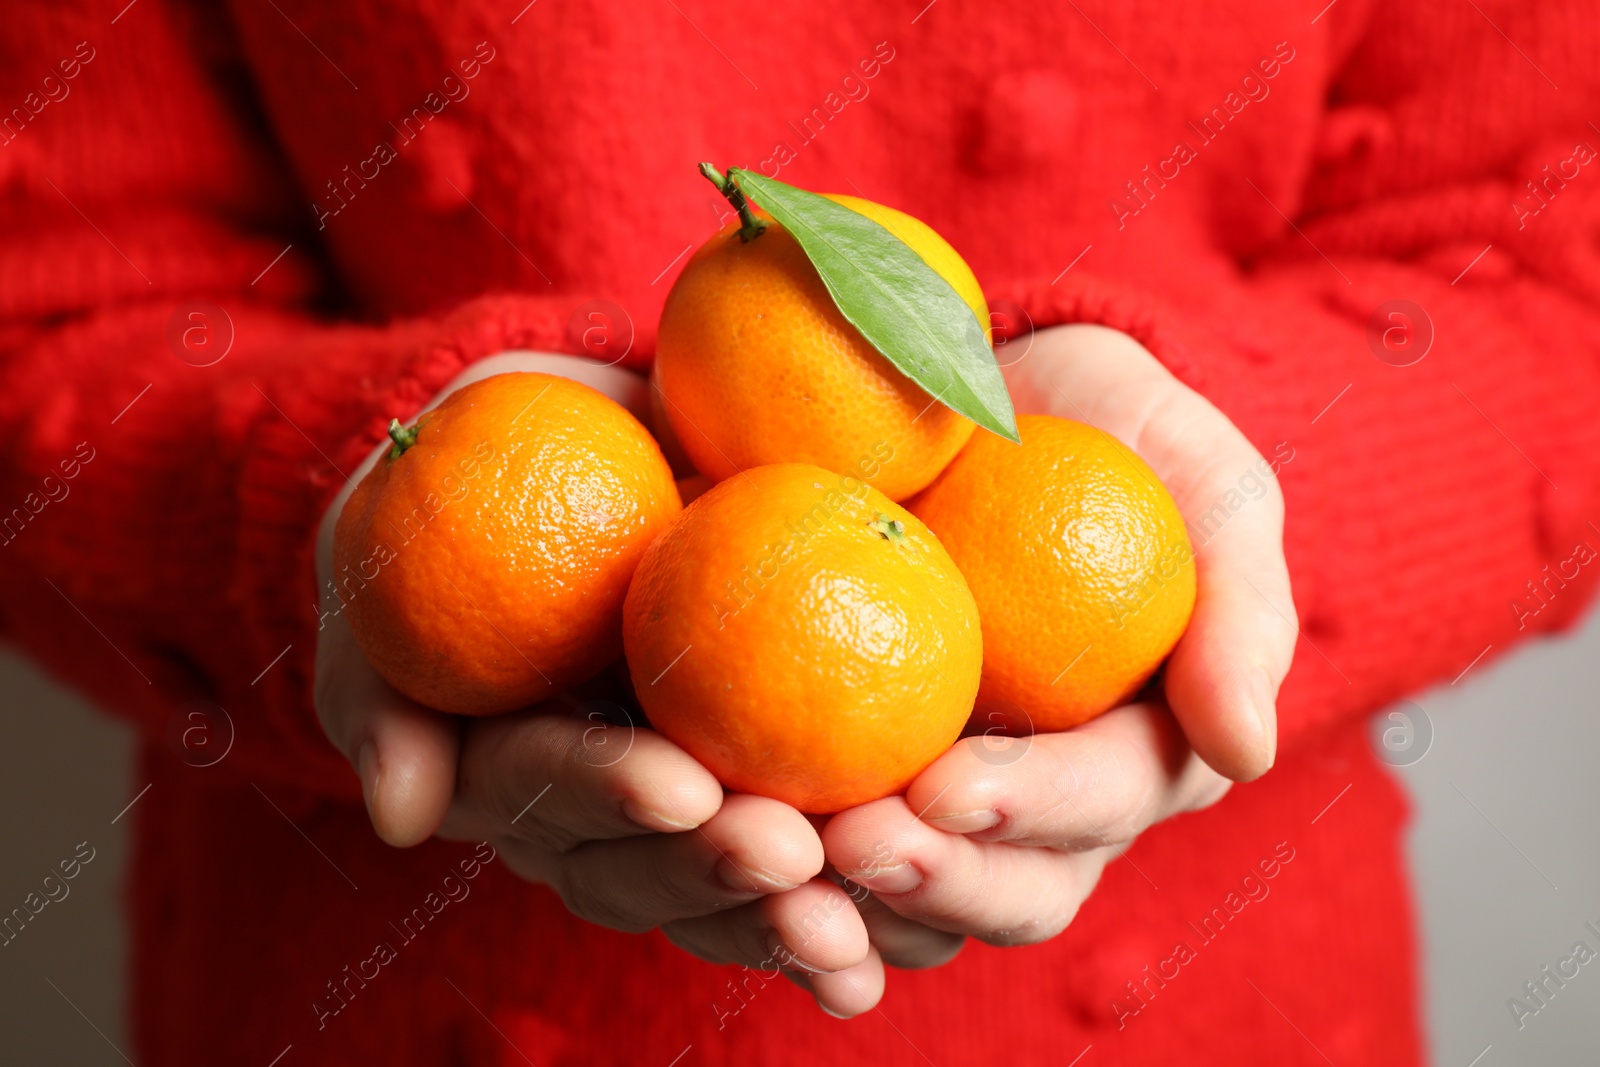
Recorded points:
(752, 227)
(887, 528)
(402, 437)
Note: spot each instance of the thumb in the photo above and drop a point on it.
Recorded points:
(405, 753)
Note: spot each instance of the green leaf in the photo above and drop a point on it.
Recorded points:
(900, 304)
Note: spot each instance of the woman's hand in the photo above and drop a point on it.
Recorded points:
(1003, 839)
(630, 830)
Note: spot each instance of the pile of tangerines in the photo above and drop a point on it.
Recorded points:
(860, 574)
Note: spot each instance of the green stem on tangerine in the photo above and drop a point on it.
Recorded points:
(887, 528)
(402, 437)
(752, 227)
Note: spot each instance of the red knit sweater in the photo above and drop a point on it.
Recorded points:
(376, 194)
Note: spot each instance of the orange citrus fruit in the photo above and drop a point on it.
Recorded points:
(1080, 564)
(483, 564)
(757, 365)
(804, 638)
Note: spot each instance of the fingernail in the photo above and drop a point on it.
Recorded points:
(967, 822)
(829, 1011)
(744, 879)
(651, 819)
(367, 767)
(901, 878)
(780, 954)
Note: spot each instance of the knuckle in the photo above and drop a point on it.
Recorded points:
(1032, 930)
(551, 743)
(498, 793)
(322, 692)
(1272, 502)
(1210, 792)
(327, 699)
(1169, 415)
(1024, 933)
(934, 950)
(634, 891)
(821, 923)
(1280, 628)
(595, 902)
(966, 907)
(1043, 922)
(675, 895)
(547, 825)
(525, 764)
(544, 833)
(1120, 776)
(964, 898)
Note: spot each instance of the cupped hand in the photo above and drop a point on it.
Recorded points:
(1222, 678)
(1002, 839)
(626, 827)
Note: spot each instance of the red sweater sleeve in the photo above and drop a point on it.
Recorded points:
(1442, 479)
(174, 414)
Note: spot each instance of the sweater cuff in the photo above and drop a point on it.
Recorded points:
(1080, 297)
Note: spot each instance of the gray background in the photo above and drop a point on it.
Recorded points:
(1503, 852)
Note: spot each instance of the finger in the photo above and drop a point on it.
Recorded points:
(847, 993)
(1233, 658)
(751, 847)
(902, 942)
(1223, 677)
(1002, 894)
(813, 929)
(555, 781)
(404, 753)
(1102, 783)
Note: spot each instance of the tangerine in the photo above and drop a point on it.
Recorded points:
(484, 560)
(803, 637)
(757, 365)
(1080, 564)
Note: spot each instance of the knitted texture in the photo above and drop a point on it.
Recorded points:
(348, 203)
